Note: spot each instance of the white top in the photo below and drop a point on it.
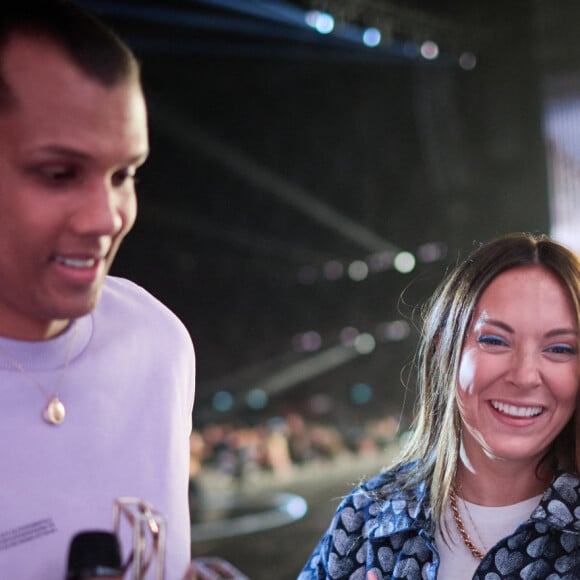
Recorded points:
(128, 393)
(485, 525)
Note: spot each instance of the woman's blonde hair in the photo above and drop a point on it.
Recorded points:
(435, 437)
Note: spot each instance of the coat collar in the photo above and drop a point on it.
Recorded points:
(559, 505)
(407, 510)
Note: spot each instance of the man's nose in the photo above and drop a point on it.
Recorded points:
(98, 211)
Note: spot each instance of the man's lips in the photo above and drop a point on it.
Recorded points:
(523, 411)
(78, 270)
(82, 259)
(79, 263)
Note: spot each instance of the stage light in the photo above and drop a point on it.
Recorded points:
(348, 335)
(223, 401)
(394, 331)
(320, 21)
(333, 270)
(381, 261)
(429, 50)
(358, 270)
(257, 399)
(296, 507)
(321, 404)
(404, 262)
(372, 37)
(467, 61)
(364, 343)
(309, 341)
(361, 393)
(431, 252)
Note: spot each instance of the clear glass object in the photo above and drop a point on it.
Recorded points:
(146, 556)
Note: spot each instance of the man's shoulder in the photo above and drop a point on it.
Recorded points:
(117, 288)
(125, 302)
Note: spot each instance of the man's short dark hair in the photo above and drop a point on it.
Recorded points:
(90, 44)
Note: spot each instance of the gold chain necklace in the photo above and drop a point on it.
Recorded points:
(473, 525)
(54, 412)
(461, 527)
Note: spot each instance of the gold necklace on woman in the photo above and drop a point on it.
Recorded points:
(476, 553)
(55, 411)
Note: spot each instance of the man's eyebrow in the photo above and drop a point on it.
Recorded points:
(61, 150)
(65, 151)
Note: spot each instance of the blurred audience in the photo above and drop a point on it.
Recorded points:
(277, 447)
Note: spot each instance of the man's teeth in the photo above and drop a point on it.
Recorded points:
(516, 411)
(76, 262)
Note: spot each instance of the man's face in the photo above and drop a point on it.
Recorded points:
(69, 151)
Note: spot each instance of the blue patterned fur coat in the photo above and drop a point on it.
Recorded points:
(393, 538)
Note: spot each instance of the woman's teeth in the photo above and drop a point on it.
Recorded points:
(514, 411)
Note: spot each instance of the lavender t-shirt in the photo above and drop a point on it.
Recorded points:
(128, 392)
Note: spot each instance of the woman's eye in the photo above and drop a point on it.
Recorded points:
(564, 349)
(491, 340)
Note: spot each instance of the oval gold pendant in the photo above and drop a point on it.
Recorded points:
(54, 412)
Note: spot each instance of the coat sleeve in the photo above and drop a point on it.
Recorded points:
(335, 556)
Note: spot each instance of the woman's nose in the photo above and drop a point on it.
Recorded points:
(525, 371)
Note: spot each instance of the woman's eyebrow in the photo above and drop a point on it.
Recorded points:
(561, 331)
(508, 328)
(497, 323)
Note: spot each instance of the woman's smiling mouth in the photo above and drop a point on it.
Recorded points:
(516, 411)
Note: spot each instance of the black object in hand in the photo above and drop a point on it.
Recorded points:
(94, 554)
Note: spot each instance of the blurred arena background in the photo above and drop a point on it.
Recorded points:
(316, 166)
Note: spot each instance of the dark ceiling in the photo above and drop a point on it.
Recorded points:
(282, 157)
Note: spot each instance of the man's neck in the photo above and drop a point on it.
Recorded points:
(33, 331)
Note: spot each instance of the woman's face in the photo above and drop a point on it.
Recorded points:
(518, 374)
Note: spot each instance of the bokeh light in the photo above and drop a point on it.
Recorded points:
(404, 262)
(361, 393)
